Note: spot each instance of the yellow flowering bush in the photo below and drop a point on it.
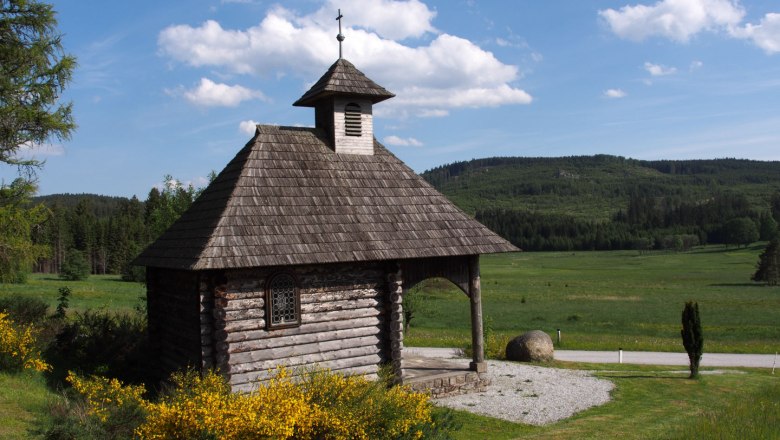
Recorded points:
(353, 407)
(314, 405)
(105, 396)
(18, 349)
(204, 407)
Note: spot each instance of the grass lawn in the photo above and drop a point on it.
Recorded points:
(24, 400)
(654, 402)
(96, 292)
(610, 300)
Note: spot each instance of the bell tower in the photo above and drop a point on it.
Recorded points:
(343, 100)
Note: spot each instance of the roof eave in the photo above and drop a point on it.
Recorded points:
(311, 101)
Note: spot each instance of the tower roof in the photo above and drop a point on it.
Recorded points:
(288, 199)
(343, 78)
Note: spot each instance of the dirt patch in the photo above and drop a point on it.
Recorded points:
(604, 297)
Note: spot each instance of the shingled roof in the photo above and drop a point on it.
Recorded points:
(287, 198)
(343, 78)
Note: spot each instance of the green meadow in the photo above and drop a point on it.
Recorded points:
(609, 300)
(97, 292)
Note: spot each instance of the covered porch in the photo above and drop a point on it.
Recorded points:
(439, 373)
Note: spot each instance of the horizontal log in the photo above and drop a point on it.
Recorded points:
(240, 304)
(232, 327)
(305, 328)
(309, 359)
(238, 295)
(337, 315)
(244, 325)
(238, 315)
(335, 365)
(293, 351)
(351, 294)
(319, 307)
(307, 338)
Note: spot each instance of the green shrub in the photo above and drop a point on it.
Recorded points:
(24, 309)
(101, 342)
(75, 267)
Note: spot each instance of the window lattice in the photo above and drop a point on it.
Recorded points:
(352, 121)
(284, 307)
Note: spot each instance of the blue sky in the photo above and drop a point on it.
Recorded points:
(174, 87)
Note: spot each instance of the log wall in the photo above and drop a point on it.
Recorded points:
(344, 310)
(174, 318)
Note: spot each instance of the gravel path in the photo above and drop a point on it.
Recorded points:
(533, 395)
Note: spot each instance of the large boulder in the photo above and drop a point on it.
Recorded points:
(533, 346)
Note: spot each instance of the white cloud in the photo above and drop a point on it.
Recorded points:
(427, 77)
(659, 70)
(432, 113)
(402, 142)
(248, 127)
(614, 93)
(695, 65)
(677, 20)
(211, 94)
(29, 151)
(396, 20)
(765, 34)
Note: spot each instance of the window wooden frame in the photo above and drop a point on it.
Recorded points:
(271, 302)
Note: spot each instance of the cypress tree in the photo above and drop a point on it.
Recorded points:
(692, 336)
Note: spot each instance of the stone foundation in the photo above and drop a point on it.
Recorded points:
(450, 384)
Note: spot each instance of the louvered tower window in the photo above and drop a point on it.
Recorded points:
(283, 302)
(352, 124)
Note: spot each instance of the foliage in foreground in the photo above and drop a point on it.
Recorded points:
(102, 342)
(18, 221)
(318, 404)
(18, 349)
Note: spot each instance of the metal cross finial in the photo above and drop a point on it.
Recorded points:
(340, 36)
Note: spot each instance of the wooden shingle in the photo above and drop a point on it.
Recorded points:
(343, 78)
(287, 198)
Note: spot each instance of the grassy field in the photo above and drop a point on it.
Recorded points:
(611, 300)
(97, 292)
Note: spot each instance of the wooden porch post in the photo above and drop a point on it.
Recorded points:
(477, 339)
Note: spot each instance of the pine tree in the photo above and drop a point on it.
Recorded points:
(34, 70)
(693, 339)
(769, 264)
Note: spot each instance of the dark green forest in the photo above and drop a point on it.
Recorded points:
(607, 202)
(109, 232)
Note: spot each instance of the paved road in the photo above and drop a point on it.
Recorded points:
(632, 357)
(659, 358)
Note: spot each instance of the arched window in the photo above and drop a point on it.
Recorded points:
(284, 307)
(352, 121)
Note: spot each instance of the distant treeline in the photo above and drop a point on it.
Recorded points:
(109, 231)
(607, 202)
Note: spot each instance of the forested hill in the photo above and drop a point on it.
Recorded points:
(609, 202)
(100, 206)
